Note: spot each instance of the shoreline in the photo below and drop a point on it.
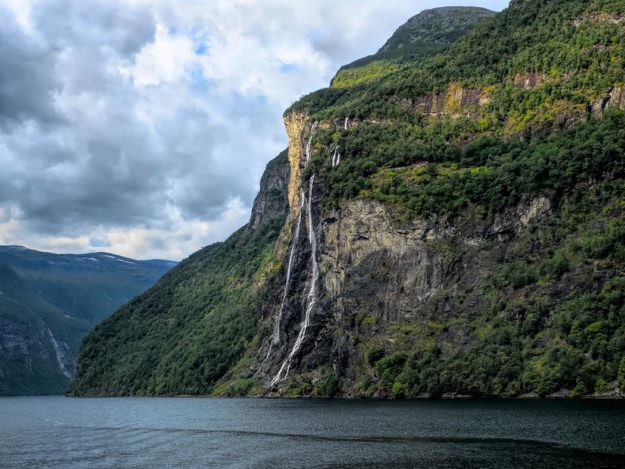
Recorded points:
(459, 397)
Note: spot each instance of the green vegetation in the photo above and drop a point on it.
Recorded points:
(580, 51)
(181, 336)
(489, 173)
(621, 374)
(422, 36)
(371, 71)
(28, 363)
(575, 344)
(86, 286)
(523, 139)
(322, 383)
(519, 115)
(548, 316)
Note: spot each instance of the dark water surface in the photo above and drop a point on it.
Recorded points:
(137, 432)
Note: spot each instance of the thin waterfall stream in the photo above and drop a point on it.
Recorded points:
(310, 139)
(275, 337)
(336, 157)
(312, 293)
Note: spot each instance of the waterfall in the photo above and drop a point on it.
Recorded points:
(312, 292)
(336, 157)
(309, 143)
(275, 337)
(60, 355)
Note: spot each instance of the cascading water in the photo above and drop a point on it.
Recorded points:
(312, 292)
(336, 157)
(309, 143)
(275, 337)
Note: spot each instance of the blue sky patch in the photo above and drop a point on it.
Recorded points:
(288, 68)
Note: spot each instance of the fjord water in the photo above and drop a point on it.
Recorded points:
(138, 432)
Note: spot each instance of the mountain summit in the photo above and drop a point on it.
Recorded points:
(423, 35)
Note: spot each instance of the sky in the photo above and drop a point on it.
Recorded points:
(142, 127)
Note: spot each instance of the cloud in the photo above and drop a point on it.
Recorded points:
(28, 82)
(143, 126)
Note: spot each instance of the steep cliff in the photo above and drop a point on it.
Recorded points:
(524, 299)
(455, 227)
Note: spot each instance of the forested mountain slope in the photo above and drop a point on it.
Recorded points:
(186, 332)
(38, 341)
(86, 286)
(455, 227)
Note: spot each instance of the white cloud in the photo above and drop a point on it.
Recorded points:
(21, 10)
(144, 125)
(166, 60)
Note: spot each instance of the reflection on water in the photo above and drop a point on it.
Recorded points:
(60, 432)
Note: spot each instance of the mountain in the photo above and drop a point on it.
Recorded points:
(49, 302)
(423, 35)
(455, 227)
(38, 341)
(432, 30)
(86, 286)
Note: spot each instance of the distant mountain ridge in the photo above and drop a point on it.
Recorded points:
(48, 302)
(55, 278)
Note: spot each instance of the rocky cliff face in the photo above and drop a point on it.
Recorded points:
(270, 203)
(189, 329)
(374, 274)
(416, 308)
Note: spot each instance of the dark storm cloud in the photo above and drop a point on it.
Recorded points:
(99, 166)
(93, 24)
(28, 80)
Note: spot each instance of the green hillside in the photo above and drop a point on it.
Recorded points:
(187, 331)
(30, 363)
(86, 286)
